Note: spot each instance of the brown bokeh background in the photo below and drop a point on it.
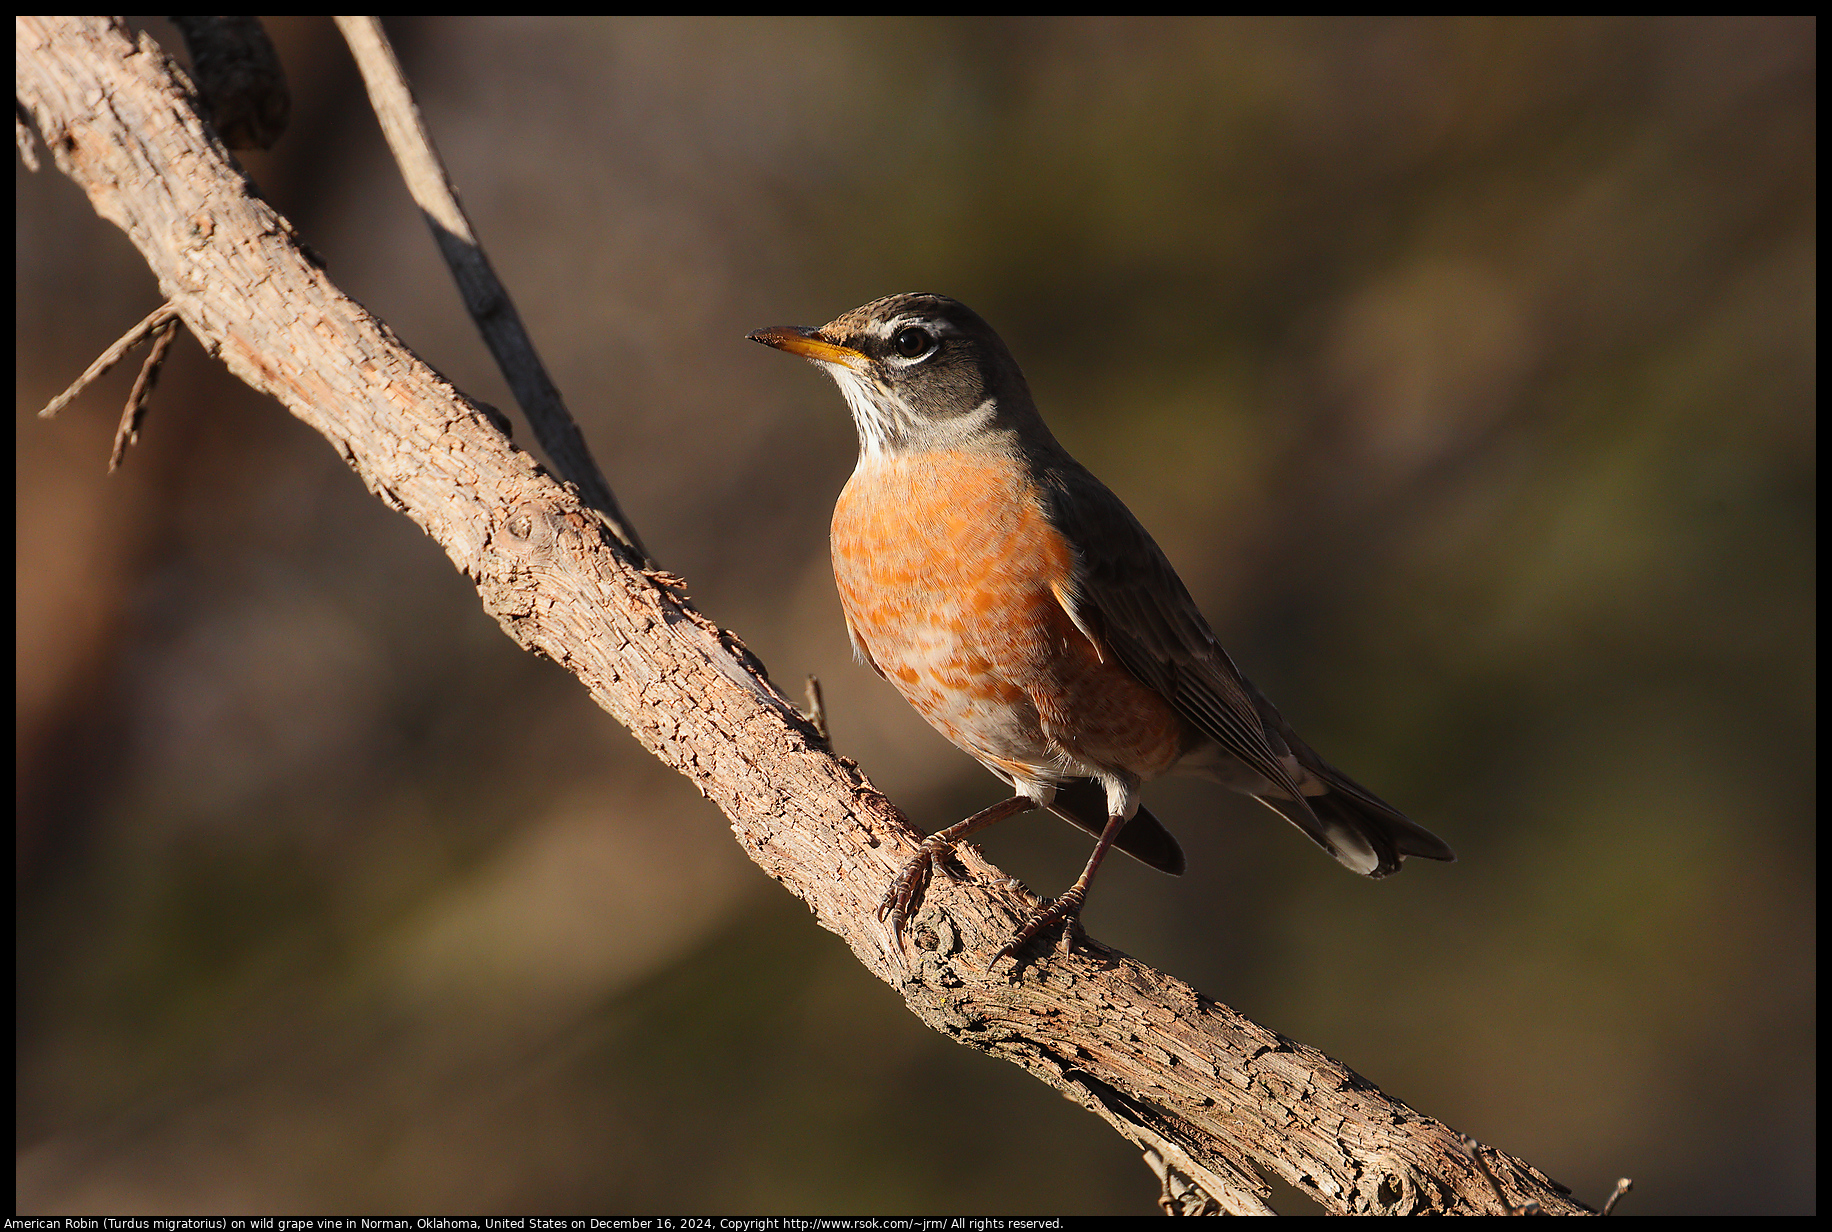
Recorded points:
(1464, 367)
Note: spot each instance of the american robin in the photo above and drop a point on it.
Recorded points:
(1018, 605)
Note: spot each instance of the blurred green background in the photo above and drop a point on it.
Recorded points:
(1465, 368)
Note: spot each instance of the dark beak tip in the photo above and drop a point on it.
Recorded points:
(772, 335)
(809, 344)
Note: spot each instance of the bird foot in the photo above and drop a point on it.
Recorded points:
(1065, 910)
(909, 885)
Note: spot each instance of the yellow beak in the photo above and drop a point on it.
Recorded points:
(808, 344)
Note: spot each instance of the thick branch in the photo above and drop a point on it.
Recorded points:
(1210, 1095)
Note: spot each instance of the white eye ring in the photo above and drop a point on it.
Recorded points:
(912, 341)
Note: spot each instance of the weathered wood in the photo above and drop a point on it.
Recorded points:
(1213, 1098)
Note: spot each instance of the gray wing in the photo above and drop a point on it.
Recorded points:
(1139, 609)
(1144, 614)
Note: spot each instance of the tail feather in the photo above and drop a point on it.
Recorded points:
(1363, 832)
(1084, 803)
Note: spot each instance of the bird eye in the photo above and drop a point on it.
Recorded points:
(911, 341)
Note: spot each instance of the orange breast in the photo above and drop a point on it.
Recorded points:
(949, 572)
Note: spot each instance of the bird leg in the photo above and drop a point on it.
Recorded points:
(915, 874)
(1068, 907)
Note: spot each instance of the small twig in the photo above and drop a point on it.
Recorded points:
(817, 709)
(112, 356)
(1622, 1186)
(128, 433)
(1473, 1149)
(650, 659)
(485, 297)
(1177, 1193)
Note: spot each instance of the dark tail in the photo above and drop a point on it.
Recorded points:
(1363, 832)
(1084, 802)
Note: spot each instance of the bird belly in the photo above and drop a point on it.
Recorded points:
(951, 575)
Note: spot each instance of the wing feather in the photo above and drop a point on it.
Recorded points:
(1127, 590)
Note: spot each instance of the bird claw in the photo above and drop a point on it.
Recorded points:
(1065, 910)
(909, 884)
(907, 887)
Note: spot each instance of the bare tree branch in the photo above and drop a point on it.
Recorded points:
(127, 434)
(238, 73)
(1212, 1098)
(485, 297)
(143, 329)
